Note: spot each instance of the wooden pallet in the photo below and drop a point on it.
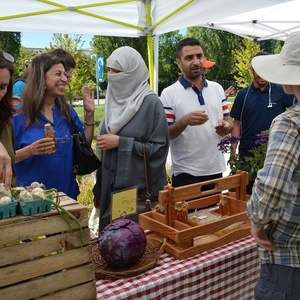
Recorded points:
(30, 266)
(184, 240)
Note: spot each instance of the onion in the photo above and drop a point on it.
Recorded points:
(3, 191)
(5, 200)
(15, 191)
(122, 243)
(36, 184)
(38, 193)
(25, 196)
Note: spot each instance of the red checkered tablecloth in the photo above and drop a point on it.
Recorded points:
(225, 273)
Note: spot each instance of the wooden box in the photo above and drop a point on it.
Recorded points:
(183, 240)
(41, 258)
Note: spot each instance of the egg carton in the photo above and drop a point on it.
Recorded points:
(31, 207)
(8, 210)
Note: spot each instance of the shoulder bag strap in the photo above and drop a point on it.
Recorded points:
(73, 127)
(147, 169)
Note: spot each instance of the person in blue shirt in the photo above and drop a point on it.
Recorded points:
(43, 101)
(18, 87)
(253, 110)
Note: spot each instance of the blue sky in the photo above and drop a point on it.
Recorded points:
(42, 40)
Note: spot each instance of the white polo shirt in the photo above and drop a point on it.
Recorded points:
(195, 150)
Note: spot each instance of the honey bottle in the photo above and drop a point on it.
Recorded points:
(180, 214)
(223, 206)
(49, 133)
(185, 207)
(159, 209)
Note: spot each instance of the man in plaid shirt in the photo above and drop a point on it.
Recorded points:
(274, 207)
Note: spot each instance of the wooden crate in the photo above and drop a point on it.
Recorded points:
(183, 240)
(27, 270)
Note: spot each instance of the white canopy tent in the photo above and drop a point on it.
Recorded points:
(272, 22)
(130, 18)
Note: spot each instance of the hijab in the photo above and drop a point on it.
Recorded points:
(126, 90)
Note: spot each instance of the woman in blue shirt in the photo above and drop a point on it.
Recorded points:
(44, 102)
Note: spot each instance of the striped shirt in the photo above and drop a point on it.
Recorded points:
(275, 199)
(195, 150)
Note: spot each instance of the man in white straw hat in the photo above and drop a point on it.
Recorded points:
(274, 207)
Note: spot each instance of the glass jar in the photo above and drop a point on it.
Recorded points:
(223, 205)
(180, 214)
(49, 133)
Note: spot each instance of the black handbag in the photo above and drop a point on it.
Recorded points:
(85, 160)
(145, 202)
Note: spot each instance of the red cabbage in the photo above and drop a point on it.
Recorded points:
(122, 243)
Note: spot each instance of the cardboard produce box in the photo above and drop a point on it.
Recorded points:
(44, 257)
(184, 240)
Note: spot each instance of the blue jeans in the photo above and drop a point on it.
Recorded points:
(277, 282)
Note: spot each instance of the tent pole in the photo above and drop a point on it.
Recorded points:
(149, 42)
(156, 40)
(150, 59)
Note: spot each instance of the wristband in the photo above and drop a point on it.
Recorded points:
(85, 123)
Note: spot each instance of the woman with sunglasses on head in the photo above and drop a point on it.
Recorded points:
(44, 102)
(20, 83)
(7, 142)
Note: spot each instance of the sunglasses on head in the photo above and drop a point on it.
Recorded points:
(7, 56)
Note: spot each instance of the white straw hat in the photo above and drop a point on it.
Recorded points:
(283, 68)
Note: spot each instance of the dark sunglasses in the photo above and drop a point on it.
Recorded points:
(7, 56)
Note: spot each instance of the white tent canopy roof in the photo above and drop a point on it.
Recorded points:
(129, 18)
(272, 22)
(118, 17)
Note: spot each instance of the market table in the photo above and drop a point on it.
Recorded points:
(225, 273)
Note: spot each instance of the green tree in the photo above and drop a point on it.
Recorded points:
(103, 46)
(24, 61)
(243, 56)
(217, 46)
(277, 47)
(84, 65)
(168, 70)
(268, 45)
(11, 43)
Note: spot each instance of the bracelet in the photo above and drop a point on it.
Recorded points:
(85, 123)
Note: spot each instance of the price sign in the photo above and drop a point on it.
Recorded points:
(124, 203)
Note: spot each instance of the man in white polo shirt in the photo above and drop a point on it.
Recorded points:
(198, 117)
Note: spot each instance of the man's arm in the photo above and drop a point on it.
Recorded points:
(236, 131)
(193, 118)
(225, 126)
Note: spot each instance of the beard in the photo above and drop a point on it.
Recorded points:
(193, 75)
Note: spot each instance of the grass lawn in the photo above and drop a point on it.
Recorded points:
(99, 112)
(86, 182)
